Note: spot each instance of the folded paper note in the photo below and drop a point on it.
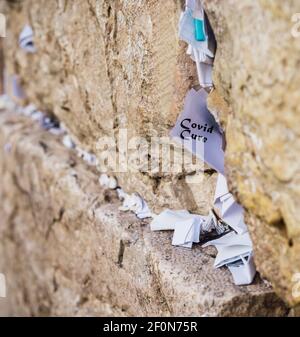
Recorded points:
(133, 202)
(235, 251)
(230, 211)
(121, 193)
(26, 40)
(108, 182)
(198, 131)
(12, 87)
(187, 232)
(68, 142)
(166, 220)
(204, 71)
(187, 227)
(89, 158)
(243, 271)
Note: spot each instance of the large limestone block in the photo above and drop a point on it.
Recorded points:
(67, 250)
(105, 66)
(256, 71)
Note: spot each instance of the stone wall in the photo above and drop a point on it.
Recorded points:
(256, 72)
(102, 66)
(67, 250)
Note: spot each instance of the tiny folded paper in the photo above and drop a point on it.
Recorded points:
(121, 193)
(204, 71)
(26, 40)
(68, 142)
(243, 271)
(108, 182)
(198, 131)
(89, 158)
(235, 251)
(231, 212)
(13, 88)
(133, 202)
(7, 147)
(17, 90)
(48, 123)
(230, 247)
(187, 227)
(31, 111)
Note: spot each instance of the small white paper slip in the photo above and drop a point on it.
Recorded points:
(167, 219)
(230, 247)
(187, 232)
(108, 182)
(133, 202)
(210, 223)
(121, 193)
(89, 158)
(26, 40)
(17, 90)
(144, 211)
(232, 213)
(37, 116)
(202, 56)
(187, 227)
(198, 131)
(30, 110)
(204, 72)
(57, 131)
(243, 271)
(68, 142)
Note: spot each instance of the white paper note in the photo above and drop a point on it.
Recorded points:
(197, 129)
(230, 247)
(243, 271)
(167, 219)
(26, 40)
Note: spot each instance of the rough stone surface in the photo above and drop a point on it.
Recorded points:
(106, 65)
(256, 73)
(118, 66)
(66, 250)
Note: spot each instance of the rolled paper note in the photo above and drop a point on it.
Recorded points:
(199, 30)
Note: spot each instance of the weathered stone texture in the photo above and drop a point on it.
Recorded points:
(66, 249)
(106, 65)
(256, 72)
(103, 66)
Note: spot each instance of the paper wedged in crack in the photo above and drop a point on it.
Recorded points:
(197, 129)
